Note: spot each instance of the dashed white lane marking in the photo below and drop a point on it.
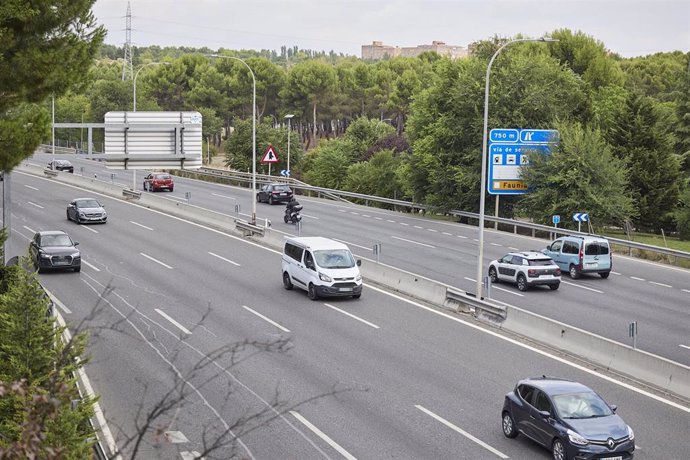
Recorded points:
(615, 273)
(447, 234)
(391, 221)
(32, 188)
(323, 436)
(156, 260)
(414, 242)
(353, 244)
(661, 284)
(686, 290)
(355, 213)
(417, 226)
(684, 346)
(140, 225)
(432, 230)
(34, 204)
(637, 279)
(461, 431)
(92, 267)
(513, 249)
(378, 218)
(582, 287)
(366, 215)
(173, 322)
(265, 318)
(463, 237)
(405, 224)
(30, 230)
(194, 455)
(223, 258)
(309, 216)
(224, 196)
(89, 229)
(493, 286)
(495, 244)
(352, 316)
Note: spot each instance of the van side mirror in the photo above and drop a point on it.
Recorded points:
(359, 262)
(76, 243)
(613, 408)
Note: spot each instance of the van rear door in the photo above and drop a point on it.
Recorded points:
(597, 256)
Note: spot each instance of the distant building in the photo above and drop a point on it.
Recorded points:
(377, 50)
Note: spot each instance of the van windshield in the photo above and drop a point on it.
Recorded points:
(334, 258)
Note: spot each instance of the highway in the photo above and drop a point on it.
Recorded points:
(657, 296)
(174, 307)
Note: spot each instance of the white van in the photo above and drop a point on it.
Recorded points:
(322, 267)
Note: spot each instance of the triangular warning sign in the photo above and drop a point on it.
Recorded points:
(270, 156)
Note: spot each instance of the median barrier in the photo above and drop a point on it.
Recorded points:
(641, 366)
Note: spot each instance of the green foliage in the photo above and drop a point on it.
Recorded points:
(683, 217)
(327, 165)
(238, 148)
(660, 75)
(309, 84)
(36, 414)
(639, 138)
(582, 175)
(46, 47)
(376, 176)
(363, 133)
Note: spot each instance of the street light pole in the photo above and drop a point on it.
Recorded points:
(482, 191)
(289, 119)
(253, 129)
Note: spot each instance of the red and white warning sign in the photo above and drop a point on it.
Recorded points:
(270, 156)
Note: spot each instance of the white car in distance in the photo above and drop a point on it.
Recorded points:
(526, 269)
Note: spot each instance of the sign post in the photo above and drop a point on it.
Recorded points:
(580, 217)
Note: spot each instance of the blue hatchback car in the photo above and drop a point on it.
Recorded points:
(568, 418)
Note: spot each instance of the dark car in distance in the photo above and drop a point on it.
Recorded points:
(274, 193)
(54, 250)
(83, 210)
(61, 165)
(568, 418)
(158, 181)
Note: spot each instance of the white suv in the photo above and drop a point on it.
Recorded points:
(526, 269)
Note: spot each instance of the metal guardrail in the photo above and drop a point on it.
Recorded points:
(249, 229)
(50, 172)
(243, 177)
(129, 193)
(475, 305)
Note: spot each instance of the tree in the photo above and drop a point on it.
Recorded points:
(46, 47)
(583, 175)
(376, 176)
(640, 138)
(327, 165)
(313, 82)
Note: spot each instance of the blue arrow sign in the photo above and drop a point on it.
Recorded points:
(539, 136)
(580, 216)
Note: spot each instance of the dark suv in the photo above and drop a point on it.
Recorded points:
(568, 418)
(61, 165)
(274, 193)
(54, 250)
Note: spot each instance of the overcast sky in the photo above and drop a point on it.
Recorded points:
(627, 27)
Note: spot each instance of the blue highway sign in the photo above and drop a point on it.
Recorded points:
(580, 216)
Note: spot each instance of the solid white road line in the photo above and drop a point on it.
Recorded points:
(57, 302)
(582, 287)
(91, 266)
(224, 196)
(352, 316)
(637, 279)
(157, 261)
(533, 349)
(175, 323)
(34, 204)
(310, 217)
(684, 346)
(323, 436)
(461, 431)
(661, 284)
(414, 242)
(268, 320)
(223, 258)
(30, 230)
(32, 188)
(140, 225)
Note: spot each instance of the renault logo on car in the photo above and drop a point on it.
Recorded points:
(610, 443)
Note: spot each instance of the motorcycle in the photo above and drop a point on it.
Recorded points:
(292, 215)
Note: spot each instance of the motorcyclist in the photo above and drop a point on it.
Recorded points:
(291, 205)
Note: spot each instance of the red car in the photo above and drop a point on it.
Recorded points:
(158, 181)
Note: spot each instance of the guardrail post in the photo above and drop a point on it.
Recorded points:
(112, 177)
(237, 211)
(188, 196)
(377, 251)
(487, 287)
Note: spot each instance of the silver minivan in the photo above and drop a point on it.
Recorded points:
(581, 254)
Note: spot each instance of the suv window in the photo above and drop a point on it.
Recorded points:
(556, 246)
(293, 251)
(517, 260)
(542, 402)
(282, 188)
(540, 262)
(597, 248)
(526, 392)
(570, 247)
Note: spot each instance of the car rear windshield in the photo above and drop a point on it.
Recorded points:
(597, 248)
(282, 188)
(540, 262)
(162, 176)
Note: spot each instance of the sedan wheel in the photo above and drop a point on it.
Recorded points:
(574, 272)
(258, 198)
(509, 429)
(522, 283)
(493, 275)
(287, 284)
(558, 450)
(270, 200)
